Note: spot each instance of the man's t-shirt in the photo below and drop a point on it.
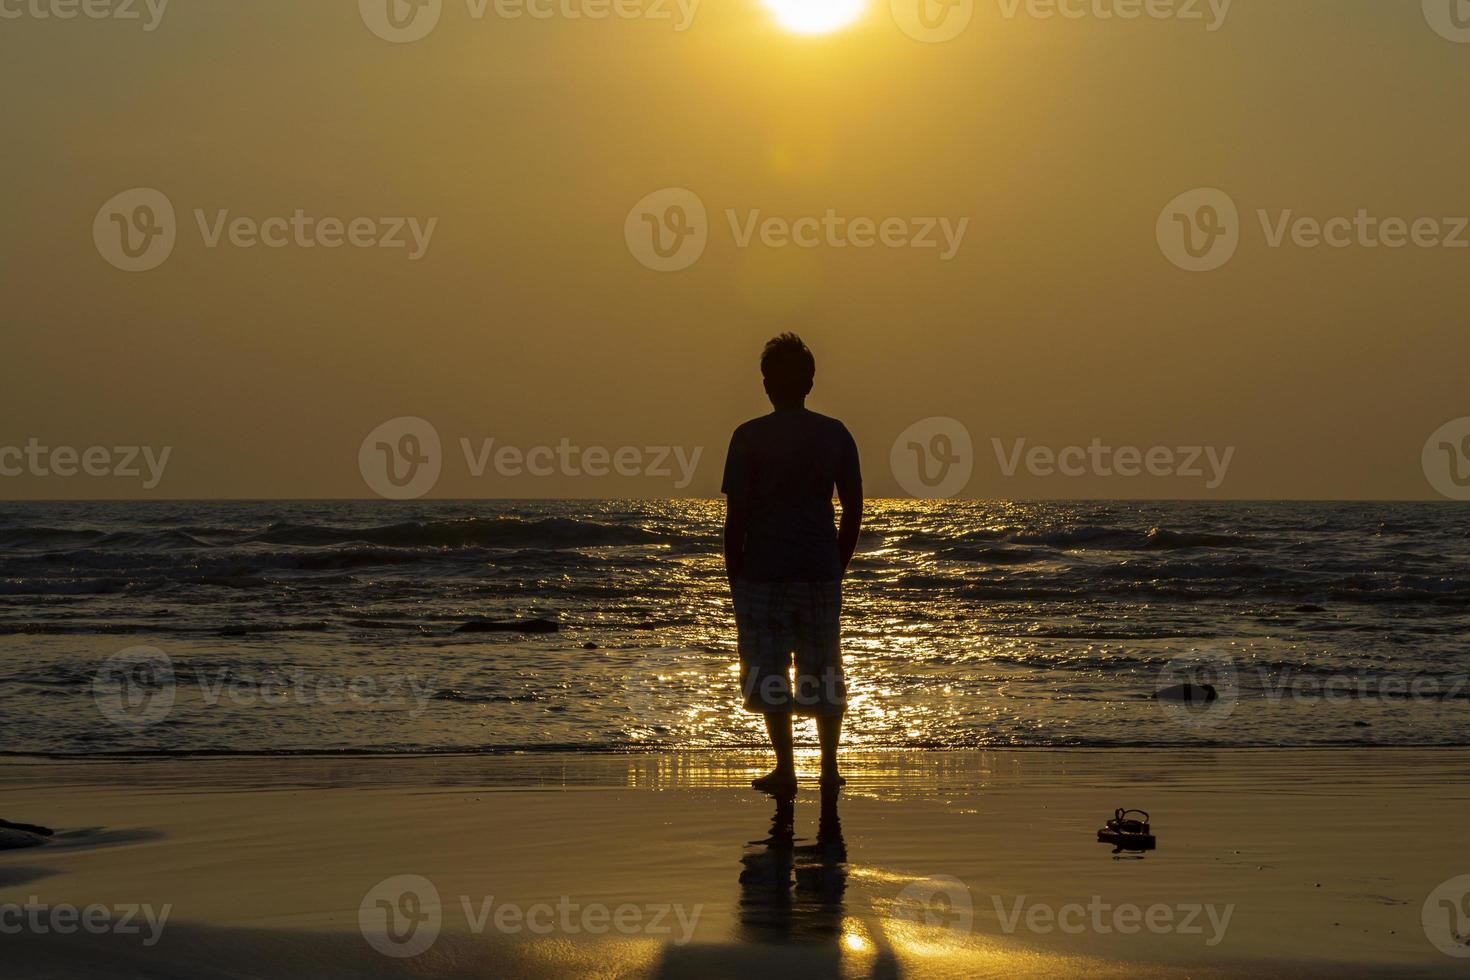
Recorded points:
(783, 468)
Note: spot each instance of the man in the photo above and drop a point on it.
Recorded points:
(785, 558)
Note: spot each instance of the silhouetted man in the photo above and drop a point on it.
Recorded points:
(785, 558)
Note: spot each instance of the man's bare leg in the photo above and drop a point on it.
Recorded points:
(781, 782)
(829, 734)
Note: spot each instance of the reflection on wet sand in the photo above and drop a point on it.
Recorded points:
(793, 893)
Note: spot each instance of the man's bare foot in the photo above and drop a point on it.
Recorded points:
(832, 779)
(777, 783)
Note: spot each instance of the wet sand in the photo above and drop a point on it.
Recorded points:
(1269, 863)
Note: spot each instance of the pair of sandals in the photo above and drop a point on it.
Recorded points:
(1127, 833)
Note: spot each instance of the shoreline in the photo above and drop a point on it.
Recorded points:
(164, 755)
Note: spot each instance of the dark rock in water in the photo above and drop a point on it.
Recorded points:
(515, 626)
(1187, 692)
(1362, 724)
(1309, 608)
(13, 840)
(589, 645)
(29, 828)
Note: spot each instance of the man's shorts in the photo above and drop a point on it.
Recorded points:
(773, 620)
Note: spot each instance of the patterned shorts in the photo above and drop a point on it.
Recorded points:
(773, 620)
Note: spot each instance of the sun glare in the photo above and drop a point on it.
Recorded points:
(815, 16)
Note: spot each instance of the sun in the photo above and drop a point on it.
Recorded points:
(815, 16)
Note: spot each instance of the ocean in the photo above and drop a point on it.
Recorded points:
(338, 627)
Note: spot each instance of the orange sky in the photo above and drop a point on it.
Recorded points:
(1038, 153)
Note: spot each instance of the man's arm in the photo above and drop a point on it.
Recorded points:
(736, 488)
(850, 493)
(736, 516)
(851, 497)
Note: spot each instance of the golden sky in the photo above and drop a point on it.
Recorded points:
(525, 144)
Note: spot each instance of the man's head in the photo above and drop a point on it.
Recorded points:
(788, 367)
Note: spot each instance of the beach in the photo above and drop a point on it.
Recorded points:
(1290, 862)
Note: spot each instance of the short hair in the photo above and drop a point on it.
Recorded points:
(788, 366)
